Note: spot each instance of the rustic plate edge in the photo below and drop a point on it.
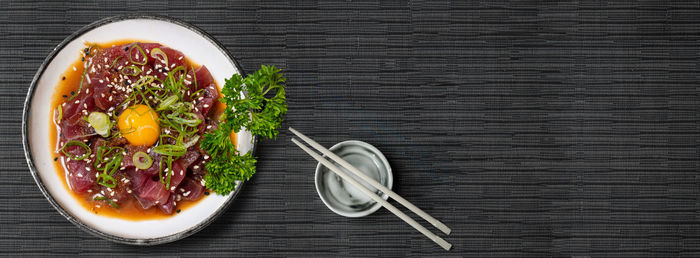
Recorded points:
(30, 160)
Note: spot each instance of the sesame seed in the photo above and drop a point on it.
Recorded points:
(128, 190)
(186, 193)
(87, 168)
(98, 206)
(77, 101)
(79, 175)
(206, 156)
(114, 200)
(75, 69)
(206, 105)
(102, 81)
(196, 167)
(172, 188)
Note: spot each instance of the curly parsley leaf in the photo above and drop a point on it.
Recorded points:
(262, 109)
(222, 173)
(256, 103)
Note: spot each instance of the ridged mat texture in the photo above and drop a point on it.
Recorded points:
(557, 128)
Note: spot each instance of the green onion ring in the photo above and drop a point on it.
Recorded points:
(145, 58)
(87, 149)
(142, 160)
(159, 52)
(136, 70)
(111, 203)
(106, 180)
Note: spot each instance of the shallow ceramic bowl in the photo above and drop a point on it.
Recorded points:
(196, 45)
(344, 198)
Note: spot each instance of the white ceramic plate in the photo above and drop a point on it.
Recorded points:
(196, 45)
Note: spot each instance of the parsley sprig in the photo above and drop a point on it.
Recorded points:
(256, 103)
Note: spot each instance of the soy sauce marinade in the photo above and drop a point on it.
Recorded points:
(135, 99)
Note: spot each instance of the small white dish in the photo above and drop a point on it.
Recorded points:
(196, 45)
(343, 198)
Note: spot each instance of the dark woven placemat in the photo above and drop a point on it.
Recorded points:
(532, 129)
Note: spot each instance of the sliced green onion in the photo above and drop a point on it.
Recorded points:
(145, 80)
(100, 122)
(170, 150)
(113, 164)
(111, 203)
(167, 103)
(135, 70)
(60, 113)
(192, 141)
(160, 171)
(158, 52)
(142, 160)
(170, 171)
(80, 86)
(80, 144)
(106, 180)
(114, 62)
(192, 121)
(145, 58)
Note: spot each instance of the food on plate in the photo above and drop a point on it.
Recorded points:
(142, 130)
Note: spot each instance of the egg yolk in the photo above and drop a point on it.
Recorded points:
(139, 125)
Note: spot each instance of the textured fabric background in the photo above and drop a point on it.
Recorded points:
(558, 128)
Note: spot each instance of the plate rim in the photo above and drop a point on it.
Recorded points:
(30, 159)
